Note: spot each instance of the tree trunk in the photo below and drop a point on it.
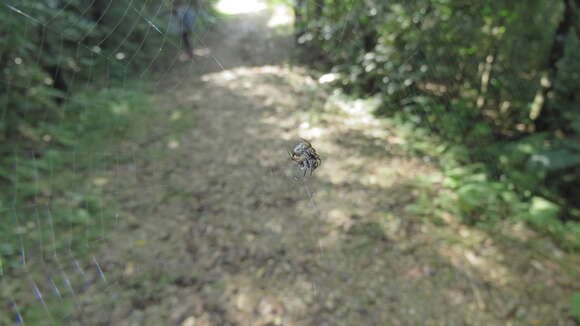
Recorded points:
(550, 117)
(319, 5)
(54, 71)
(298, 19)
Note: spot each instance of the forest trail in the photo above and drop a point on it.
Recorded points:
(217, 226)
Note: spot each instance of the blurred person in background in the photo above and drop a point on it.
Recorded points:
(182, 20)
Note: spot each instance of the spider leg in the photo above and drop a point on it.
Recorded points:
(307, 142)
(294, 157)
(307, 166)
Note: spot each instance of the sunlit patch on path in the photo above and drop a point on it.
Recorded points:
(235, 7)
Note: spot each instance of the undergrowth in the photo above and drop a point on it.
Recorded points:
(48, 199)
(476, 196)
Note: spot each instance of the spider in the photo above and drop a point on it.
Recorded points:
(305, 155)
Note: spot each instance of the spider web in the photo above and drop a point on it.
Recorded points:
(50, 255)
(56, 266)
(52, 263)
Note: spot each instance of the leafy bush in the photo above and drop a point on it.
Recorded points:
(98, 119)
(495, 82)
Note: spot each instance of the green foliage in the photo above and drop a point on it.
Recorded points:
(49, 197)
(66, 97)
(575, 306)
(99, 118)
(53, 49)
(468, 75)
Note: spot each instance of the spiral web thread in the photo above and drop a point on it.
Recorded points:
(56, 262)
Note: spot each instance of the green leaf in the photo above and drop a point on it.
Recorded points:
(543, 211)
(556, 159)
(575, 306)
(576, 125)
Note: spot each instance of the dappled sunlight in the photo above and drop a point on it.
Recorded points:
(281, 15)
(338, 221)
(257, 300)
(217, 218)
(100, 181)
(202, 52)
(120, 108)
(175, 115)
(364, 190)
(472, 250)
(307, 131)
(362, 108)
(269, 246)
(328, 78)
(173, 144)
(234, 7)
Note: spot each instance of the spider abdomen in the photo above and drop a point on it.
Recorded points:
(305, 155)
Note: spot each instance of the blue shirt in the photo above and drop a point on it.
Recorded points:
(185, 18)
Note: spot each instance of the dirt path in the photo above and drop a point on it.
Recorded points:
(216, 230)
